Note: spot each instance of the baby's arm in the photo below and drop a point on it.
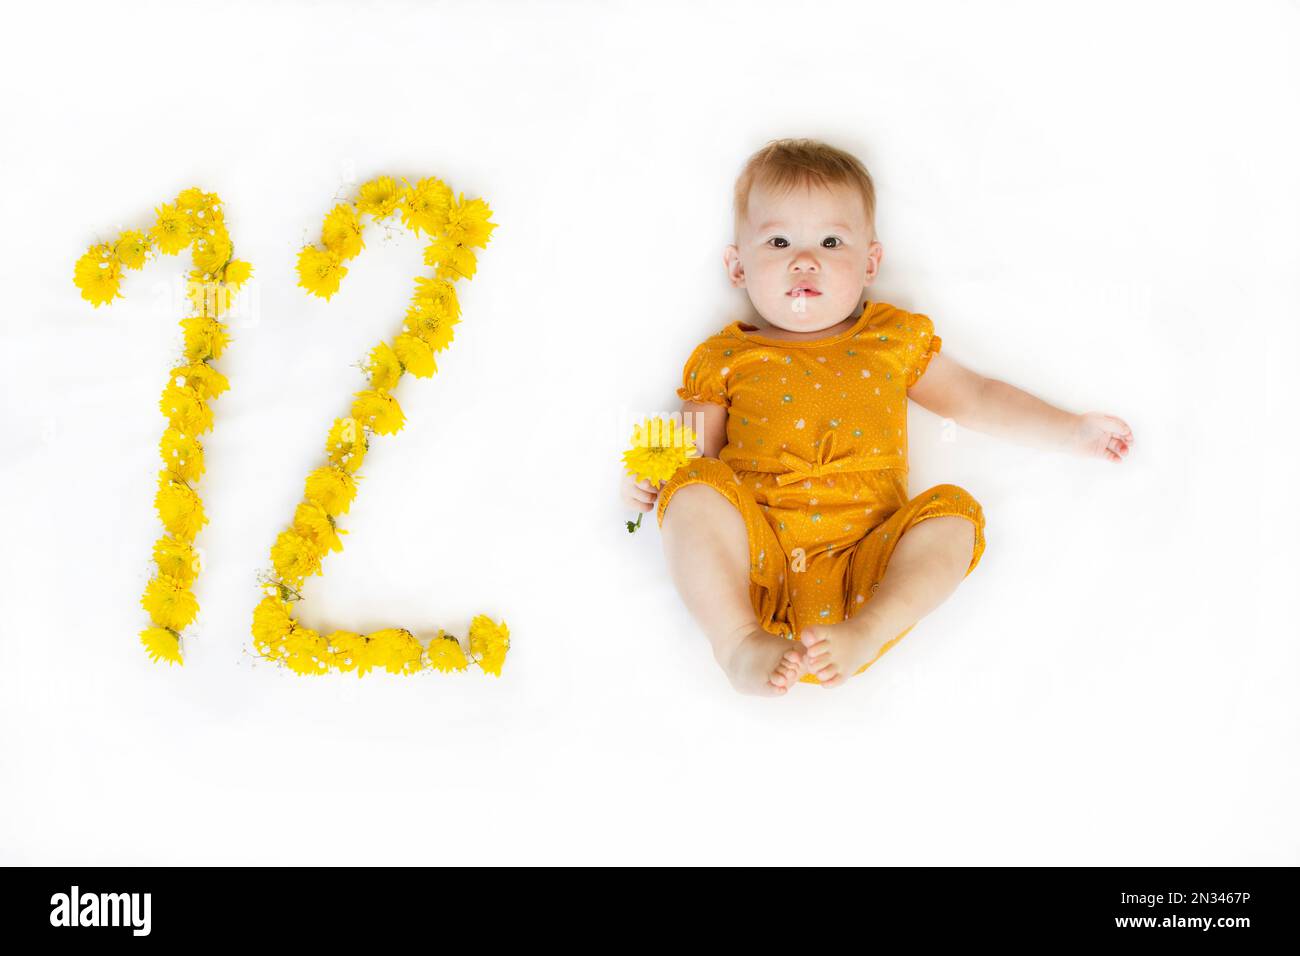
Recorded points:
(997, 408)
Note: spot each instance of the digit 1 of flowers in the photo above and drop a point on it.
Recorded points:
(194, 220)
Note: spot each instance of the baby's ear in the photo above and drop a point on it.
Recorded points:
(735, 271)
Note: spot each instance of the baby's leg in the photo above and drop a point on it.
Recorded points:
(707, 549)
(929, 561)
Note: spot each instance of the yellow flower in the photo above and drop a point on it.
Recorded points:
(445, 653)
(205, 338)
(182, 454)
(332, 489)
(659, 447)
(306, 651)
(467, 223)
(341, 233)
(205, 380)
(350, 652)
(176, 559)
(161, 645)
(453, 261)
(319, 272)
(185, 409)
(379, 410)
(396, 649)
(415, 354)
(315, 524)
(171, 233)
(488, 642)
(179, 508)
(384, 367)
(436, 297)
(435, 330)
(195, 199)
(346, 445)
(426, 205)
(170, 602)
(98, 275)
(271, 624)
(379, 197)
(294, 557)
(131, 248)
(212, 252)
(237, 273)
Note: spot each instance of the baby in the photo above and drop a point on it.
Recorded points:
(793, 540)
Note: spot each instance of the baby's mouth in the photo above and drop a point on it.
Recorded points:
(803, 292)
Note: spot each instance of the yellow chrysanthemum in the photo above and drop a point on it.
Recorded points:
(346, 444)
(294, 557)
(131, 248)
(350, 652)
(426, 205)
(306, 652)
(177, 559)
(317, 525)
(453, 261)
(331, 488)
(202, 378)
(98, 275)
(383, 367)
(488, 643)
(205, 338)
(194, 199)
(212, 252)
(415, 355)
(467, 223)
(182, 454)
(208, 297)
(379, 197)
(237, 272)
(446, 654)
(379, 410)
(171, 233)
(436, 297)
(396, 649)
(319, 271)
(170, 602)
(272, 623)
(659, 447)
(179, 508)
(341, 232)
(161, 645)
(436, 331)
(185, 409)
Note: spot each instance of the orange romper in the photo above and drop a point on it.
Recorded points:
(816, 460)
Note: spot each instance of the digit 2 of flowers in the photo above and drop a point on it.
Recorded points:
(194, 220)
(456, 227)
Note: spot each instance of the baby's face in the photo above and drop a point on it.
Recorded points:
(805, 257)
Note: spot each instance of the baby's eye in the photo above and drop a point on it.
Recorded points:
(779, 241)
(837, 242)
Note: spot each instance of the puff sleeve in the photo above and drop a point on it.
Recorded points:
(704, 376)
(919, 344)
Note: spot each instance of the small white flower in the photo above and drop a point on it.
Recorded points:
(799, 423)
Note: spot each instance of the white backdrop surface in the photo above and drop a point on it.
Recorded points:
(1097, 203)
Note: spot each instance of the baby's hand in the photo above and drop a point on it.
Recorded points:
(1098, 435)
(640, 495)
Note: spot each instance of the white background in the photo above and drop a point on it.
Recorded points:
(1097, 204)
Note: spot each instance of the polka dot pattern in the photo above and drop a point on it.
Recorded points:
(816, 458)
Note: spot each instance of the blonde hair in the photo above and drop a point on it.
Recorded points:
(783, 164)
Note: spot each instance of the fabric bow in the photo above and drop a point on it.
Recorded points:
(825, 462)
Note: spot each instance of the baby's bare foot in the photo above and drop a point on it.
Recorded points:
(835, 652)
(764, 664)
